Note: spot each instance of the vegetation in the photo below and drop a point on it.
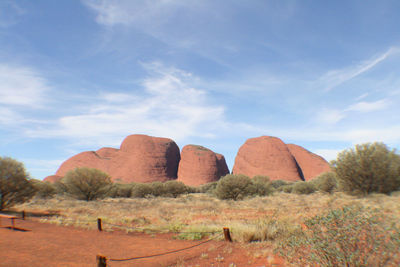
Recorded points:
(368, 168)
(326, 182)
(44, 189)
(239, 186)
(349, 236)
(304, 188)
(15, 186)
(86, 183)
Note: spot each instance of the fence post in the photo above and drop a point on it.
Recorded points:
(101, 261)
(99, 224)
(23, 215)
(227, 234)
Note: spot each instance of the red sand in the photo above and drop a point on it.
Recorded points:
(51, 245)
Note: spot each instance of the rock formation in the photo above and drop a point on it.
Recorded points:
(200, 165)
(311, 164)
(268, 156)
(141, 158)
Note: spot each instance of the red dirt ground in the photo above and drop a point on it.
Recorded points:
(51, 245)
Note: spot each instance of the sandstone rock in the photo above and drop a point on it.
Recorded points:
(311, 164)
(200, 165)
(268, 156)
(146, 159)
(52, 178)
(141, 158)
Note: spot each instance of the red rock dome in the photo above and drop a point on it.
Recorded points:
(200, 165)
(311, 164)
(268, 156)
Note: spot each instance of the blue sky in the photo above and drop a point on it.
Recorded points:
(80, 75)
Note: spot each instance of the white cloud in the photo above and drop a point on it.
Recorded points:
(168, 106)
(369, 106)
(21, 86)
(334, 78)
(328, 154)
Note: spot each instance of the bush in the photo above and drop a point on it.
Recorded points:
(15, 186)
(44, 189)
(262, 185)
(368, 168)
(326, 182)
(86, 183)
(351, 236)
(159, 189)
(278, 184)
(234, 186)
(304, 188)
(208, 188)
(174, 188)
(120, 190)
(141, 190)
(286, 188)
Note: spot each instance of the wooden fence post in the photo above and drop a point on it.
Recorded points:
(227, 235)
(23, 215)
(99, 224)
(101, 261)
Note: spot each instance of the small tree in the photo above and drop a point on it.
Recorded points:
(326, 182)
(262, 185)
(87, 183)
(368, 168)
(234, 187)
(15, 186)
(304, 188)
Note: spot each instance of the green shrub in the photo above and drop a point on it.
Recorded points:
(303, 188)
(86, 183)
(15, 186)
(44, 189)
(120, 190)
(208, 188)
(234, 186)
(278, 184)
(351, 236)
(175, 188)
(140, 190)
(262, 185)
(326, 182)
(368, 168)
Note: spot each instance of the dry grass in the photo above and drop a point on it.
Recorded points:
(256, 219)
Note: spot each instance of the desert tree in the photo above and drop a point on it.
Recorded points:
(15, 186)
(86, 183)
(367, 168)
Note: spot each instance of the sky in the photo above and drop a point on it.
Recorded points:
(80, 75)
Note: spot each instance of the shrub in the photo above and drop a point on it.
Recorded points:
(351, 236)
(174, 188)
(326, 182)
(234, 187)
(44, 189)
(208, 188)
(262, 185)
(120, 190)
(140, 190)
(368, 168)
(304, 188)
(15, 186)
(286, 188)
(278, 183)
(86, 183)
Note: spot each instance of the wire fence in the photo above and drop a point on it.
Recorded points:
(102, 260)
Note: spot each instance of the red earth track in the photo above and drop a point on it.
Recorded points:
(51, 245)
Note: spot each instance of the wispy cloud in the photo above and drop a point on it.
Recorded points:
(369, 106)
(167, 106)
(21, 86)
(334, 78)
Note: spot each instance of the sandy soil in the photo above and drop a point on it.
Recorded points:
(51, 245)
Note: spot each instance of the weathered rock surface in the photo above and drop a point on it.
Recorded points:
(200, 165)
(268, 156)
(141, 158)
(311, 164)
